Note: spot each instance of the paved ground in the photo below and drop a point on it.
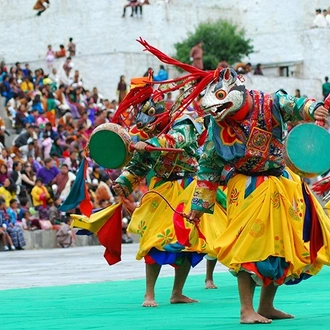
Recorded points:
(35, 268)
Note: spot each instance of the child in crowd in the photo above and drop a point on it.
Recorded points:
(5, 237)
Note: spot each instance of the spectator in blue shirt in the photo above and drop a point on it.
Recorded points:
(162, 74)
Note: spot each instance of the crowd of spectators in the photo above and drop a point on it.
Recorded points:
(50, 117)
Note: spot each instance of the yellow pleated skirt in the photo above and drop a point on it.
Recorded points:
(153, 220)
(269, 222)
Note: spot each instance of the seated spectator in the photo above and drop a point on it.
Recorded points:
(20, 118)
(11, 106)
(16, 177)
(49, 132)
(101, 118)
(6, 159)
(26, 85)
(56, 150)
(32, 116)
(82, 131)
(72, 162)
(37, 104)
(91, 111)
(103, 192)
(77, 80)
(27, 72)
(67, 66)
(83, 120)
(8, 191)
(3, 173)
(63, 105)
(3, 68)
(27, 150)
(13, 227)
(5, 237)
(61, 134)
(60, 53)
(47, 173)
(65, 120)
(96, 173)
(42, 119)
(22, 139)
(13, 212)
(36, 165)
(64, 181)
(40, 199)
(258, 70)
(161, 75)
(29, 222)
(28, 176)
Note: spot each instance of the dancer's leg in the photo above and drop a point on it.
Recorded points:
(210, 265)
(181, 273)
(266, 304)
(246, 287)
(152, 272)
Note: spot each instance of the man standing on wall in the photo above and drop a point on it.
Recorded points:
(326, 87)
(196, 56)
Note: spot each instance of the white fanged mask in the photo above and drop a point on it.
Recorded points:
(225, 96)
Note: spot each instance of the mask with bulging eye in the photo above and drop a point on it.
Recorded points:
(225, 96)
(150, 114)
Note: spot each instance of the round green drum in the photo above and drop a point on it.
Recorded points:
(307, 150)
(109, 146)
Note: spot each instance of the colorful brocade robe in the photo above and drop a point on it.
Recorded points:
(165, 165)
(253, 146)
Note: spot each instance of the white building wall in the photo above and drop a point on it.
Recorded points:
(106, 46)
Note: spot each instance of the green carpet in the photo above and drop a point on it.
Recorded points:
(116, 305)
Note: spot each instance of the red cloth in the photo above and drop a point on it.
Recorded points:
(110, 237)
(316, 239)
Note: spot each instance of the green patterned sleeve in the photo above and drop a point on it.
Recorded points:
(181, 135)
(208, 179)
(134, 172)
(296, 109)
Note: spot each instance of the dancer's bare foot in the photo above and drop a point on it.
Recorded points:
(251, 317)
(181, 299)
(209, 284)
(149, 302)
(274, 314)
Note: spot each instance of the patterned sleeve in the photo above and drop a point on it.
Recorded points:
(208, 178)
(181, 135)
(296, 109)
(134, 172)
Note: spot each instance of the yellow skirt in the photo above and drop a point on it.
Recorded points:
(158, 226)
(268, 223)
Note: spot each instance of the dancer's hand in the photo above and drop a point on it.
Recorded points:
(140, 146)
(118, 189)
(194, 216)
(321, 113)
